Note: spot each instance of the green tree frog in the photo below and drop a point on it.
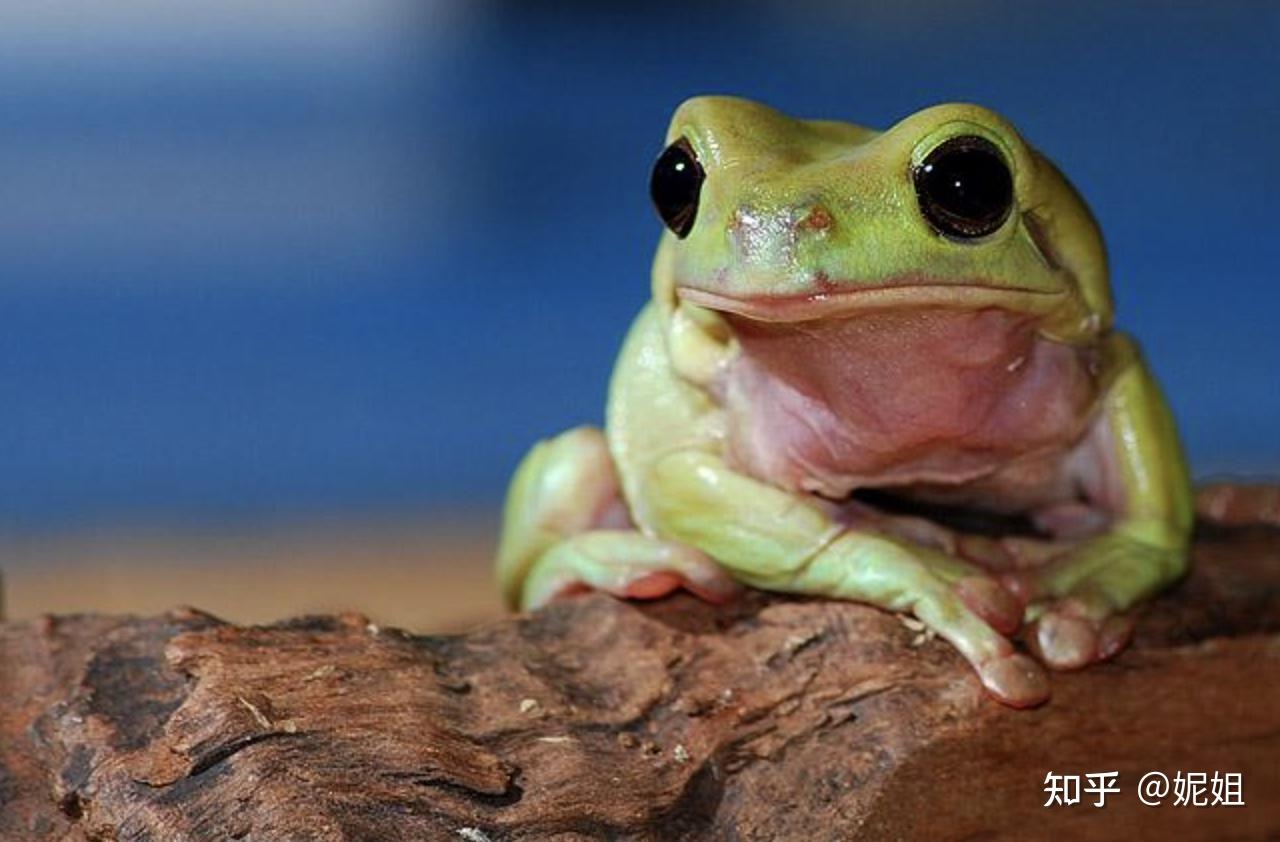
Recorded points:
(854, 338)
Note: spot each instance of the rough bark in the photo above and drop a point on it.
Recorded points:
(768, 719)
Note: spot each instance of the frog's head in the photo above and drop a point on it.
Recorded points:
(780, 219)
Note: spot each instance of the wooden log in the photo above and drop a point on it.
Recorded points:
(771, 718)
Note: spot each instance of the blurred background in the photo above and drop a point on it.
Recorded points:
(287, 288)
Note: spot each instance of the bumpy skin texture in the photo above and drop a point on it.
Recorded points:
(814, 336)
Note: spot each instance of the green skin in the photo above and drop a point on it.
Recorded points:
(811, 222)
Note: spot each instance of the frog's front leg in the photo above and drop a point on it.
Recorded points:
(1078, 599)
(565, 529)
(780, 541)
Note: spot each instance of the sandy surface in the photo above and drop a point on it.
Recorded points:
(423, 574)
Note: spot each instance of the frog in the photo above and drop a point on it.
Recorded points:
(858, 344)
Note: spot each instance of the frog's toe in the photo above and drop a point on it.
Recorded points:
(1065, 637)
(710, 585)
(1015, 679)
(998, 606)
(652, 585)
(1062, 641)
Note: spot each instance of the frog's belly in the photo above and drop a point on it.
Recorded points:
(933, 396)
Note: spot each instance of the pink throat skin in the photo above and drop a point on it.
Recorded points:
(900, 396)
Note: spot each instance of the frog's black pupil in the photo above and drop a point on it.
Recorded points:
(964, 187)
(675, 185)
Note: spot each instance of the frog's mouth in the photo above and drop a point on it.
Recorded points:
(836, 300)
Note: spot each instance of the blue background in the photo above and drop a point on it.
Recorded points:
(267, 259)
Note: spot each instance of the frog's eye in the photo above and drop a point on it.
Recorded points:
(964, 187)
(675, 185)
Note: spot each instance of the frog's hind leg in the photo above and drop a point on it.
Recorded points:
(625, 563)
(566, 529)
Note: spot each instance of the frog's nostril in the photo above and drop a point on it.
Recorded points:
(817, 219)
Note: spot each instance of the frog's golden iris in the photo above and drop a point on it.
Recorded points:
(841, 314)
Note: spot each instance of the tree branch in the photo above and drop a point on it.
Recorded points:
(771, 718)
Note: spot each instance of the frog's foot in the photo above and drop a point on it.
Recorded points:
(1011, 677)
(976, 616)
(957, 600)
(1077, 600)
(625, 563)
(995, 605)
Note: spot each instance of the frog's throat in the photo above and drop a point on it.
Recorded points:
(900, 396)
